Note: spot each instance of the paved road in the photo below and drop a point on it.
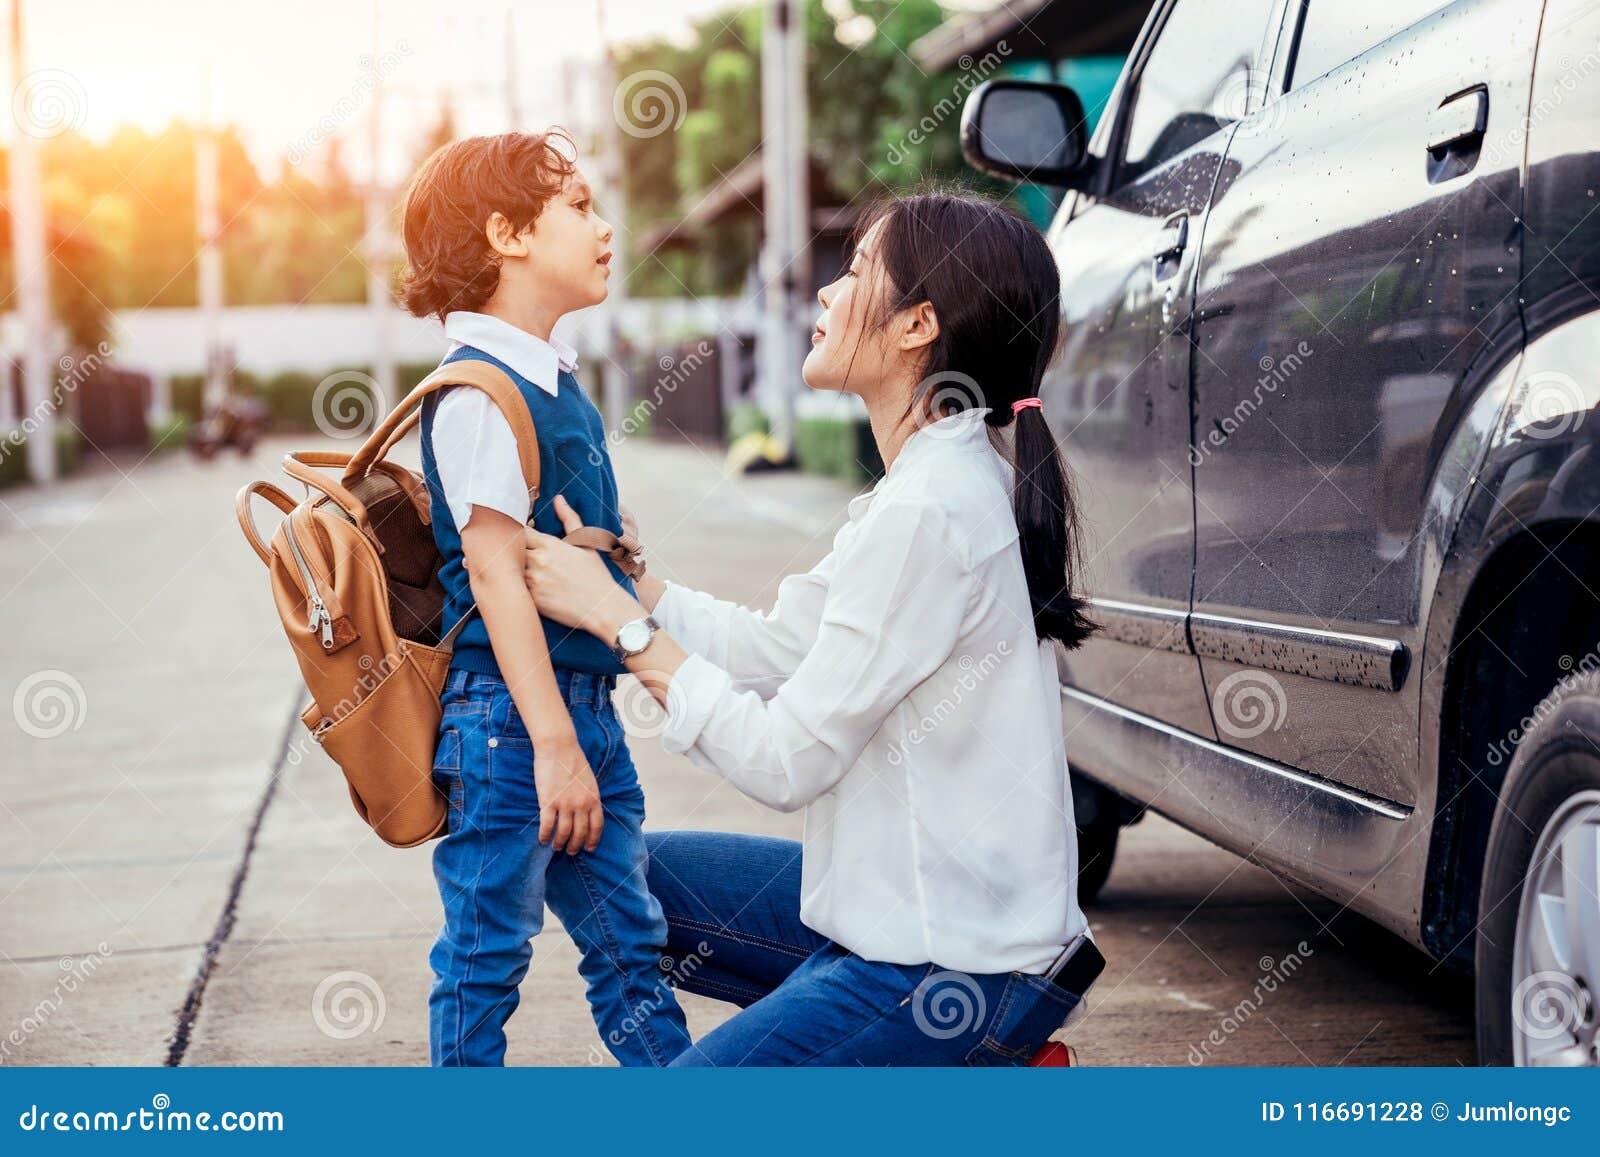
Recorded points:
(181, 879)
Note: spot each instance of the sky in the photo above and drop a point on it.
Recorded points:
(290, 72)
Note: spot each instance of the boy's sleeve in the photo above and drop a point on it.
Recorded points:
(476, 455)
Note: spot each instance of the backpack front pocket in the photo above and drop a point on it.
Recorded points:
(385, 745)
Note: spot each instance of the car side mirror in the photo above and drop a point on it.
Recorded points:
(1026, 131)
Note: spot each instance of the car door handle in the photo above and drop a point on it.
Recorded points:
(1460, 118)
(1172, 240)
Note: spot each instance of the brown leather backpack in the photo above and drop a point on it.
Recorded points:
(355, 576)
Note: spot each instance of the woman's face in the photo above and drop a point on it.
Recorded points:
(849, 351)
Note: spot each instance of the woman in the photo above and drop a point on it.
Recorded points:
(903, 692)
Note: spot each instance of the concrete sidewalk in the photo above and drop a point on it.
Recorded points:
(169, 834)
(182, 875)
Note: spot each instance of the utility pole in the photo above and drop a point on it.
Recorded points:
(613, 197)
(785, 255)
(208, 220)
(377, 244)
(33, 281)
(513, 110)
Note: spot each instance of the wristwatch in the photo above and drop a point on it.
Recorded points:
(634, 637)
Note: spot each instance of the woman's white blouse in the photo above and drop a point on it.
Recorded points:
(899, 694)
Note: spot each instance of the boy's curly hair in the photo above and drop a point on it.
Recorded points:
(449, 263)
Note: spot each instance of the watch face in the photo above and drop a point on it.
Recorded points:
(634, 636)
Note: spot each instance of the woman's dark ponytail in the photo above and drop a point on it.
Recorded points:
(994, 286)
(1047, 528)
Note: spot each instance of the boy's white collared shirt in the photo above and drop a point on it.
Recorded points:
(473, 446)
(531, 356)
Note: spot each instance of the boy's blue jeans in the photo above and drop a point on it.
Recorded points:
(495, 879)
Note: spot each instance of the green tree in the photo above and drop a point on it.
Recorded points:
(878, 123)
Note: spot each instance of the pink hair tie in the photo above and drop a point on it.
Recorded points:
(1025, 403)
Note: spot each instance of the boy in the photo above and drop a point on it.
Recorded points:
(501, 240)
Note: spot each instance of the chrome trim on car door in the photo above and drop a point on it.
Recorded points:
(1362, 660)
(1339, 657)
(1156, 628)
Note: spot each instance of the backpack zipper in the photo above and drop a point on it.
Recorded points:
(321, 621)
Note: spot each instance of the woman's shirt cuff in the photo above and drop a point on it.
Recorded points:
(692, 696)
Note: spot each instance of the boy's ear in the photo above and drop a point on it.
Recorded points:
(503, 237)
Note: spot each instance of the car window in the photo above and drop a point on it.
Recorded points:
(1197, 79)
(1333, 32)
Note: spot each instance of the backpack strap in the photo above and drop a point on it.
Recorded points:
(301, 465)
(623, 549)
(247, 520)
(466, 372)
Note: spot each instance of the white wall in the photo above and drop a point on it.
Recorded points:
(323, 338)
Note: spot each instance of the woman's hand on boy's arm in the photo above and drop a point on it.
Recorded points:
(569, 799)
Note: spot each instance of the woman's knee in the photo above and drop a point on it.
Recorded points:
(704, 876)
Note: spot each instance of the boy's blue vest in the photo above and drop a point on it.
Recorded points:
(573, 461)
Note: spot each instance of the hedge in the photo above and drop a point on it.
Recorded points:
(14, 456)
(842, 448)
(288, 395)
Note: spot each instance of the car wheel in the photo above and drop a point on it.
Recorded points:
(1098, 814)
(1538, 940)
(1097, 848)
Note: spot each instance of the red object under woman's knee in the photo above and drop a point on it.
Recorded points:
(1054, 1055)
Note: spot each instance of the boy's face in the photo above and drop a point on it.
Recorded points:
(569, 249)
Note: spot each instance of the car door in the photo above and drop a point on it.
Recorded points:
(1358, 276)
(1117, 396)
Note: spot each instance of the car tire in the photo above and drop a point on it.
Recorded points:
(1099, 814)
(1537, 959)
(1097, 848)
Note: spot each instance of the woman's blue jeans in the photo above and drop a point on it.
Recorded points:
(495, 879)
(732, 904)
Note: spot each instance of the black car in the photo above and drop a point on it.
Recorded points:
(1331, 313)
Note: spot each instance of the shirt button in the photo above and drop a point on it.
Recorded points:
(493, 742)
